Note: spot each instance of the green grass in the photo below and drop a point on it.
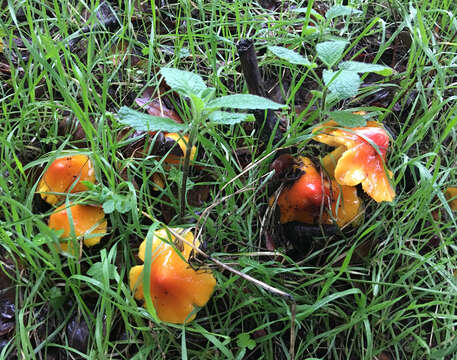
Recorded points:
(398, 298)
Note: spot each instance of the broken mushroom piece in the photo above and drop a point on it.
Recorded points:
(312, 200)
(359, 157)
(451, 196)
(65, 175)
(88, 223)
(175, 288)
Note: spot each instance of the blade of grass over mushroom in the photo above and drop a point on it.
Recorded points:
(145, 122)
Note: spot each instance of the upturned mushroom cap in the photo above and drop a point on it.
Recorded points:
(305, 199)
(65, 175)
(176, 289)
(362, 160)
(88, 222)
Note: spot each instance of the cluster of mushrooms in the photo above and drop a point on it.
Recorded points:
(176, 289)
(87, 222)
(330, 196)
(326, 196)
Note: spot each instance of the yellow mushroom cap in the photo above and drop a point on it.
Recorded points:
(359, 158)
(65, 175)
(182, 141)
(88, 222)
(176, 289)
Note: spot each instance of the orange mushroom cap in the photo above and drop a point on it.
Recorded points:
(451, 193)
(88, 222)
(176, 289)
(305, 198)
(359, 158)
(61, 175)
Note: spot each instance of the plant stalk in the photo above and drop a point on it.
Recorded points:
(185, 173)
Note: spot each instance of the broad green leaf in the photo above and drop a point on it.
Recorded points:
(244, 101)
(309, 30)
(361, 67)
(290, 56)
(243, 340)
(228, 118)
(347, 118)
(345, 84)
(96, 271)
(330, 51)
(108, 206)
(123, 204)
(341, 10)
(144, 122)
(183, 82)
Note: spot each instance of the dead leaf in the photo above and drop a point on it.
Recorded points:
(78, 334)
(156, 107)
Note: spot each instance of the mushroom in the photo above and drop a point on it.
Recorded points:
(451, 196)
(182, 141)
(303, 200)
(88, 223)
(359, 157)
(65, 175)
(175, 288)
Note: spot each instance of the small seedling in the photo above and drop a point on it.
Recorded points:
(204, 111)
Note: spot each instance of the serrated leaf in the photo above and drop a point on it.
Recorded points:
(341, 10)
(290, 56)
(347, 118)
(330, 51)
(183, 82)
(243, 340)
(228, 118)
(144, 122)
(244, 101)
(345, 84)
(362, 67)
